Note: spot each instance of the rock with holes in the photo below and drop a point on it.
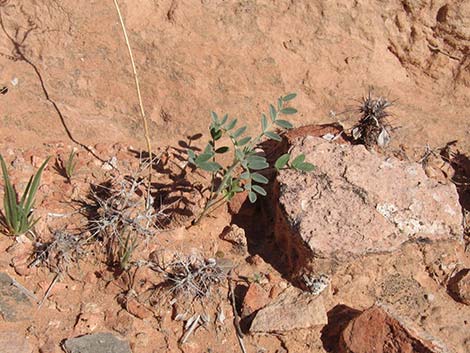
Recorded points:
(358, 202)
(235, 235)
(377, 331)
(98, 342)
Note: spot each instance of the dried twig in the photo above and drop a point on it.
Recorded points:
(236, 318)
(122, 218)
(60, 253)
(141, 104)
(46, 295)
(191, 325)
(439, 50)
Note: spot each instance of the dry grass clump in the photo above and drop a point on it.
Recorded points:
(193, 276)
(373, 128)
(62, 251)
(122, 218)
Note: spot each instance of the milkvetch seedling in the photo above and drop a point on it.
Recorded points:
(224, 183)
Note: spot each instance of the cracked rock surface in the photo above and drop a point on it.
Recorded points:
(358, 202)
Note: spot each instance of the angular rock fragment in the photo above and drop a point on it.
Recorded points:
(14, 303)
(292, 310)
(255, 298)
(376, 331)
(358, 202)
(96, 343)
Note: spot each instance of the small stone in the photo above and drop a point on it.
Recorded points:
(237, 202)
(235, 235)
(121, 322)
(255, 260)
(137, 309)
(110, 164)
(275, 291)
(142, 339)
(191, 347)
(95, 343)
(21, 264)
(255, 298)
(292, 310)
(49, 347)
(88, 322)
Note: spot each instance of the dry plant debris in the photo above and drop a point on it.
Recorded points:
(123, 219)
(373, 128)
(64, 250)
(193, 276)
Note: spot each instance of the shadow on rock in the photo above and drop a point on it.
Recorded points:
(338, 318)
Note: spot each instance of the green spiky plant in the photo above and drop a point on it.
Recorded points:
(224, 183)
(18, 216)
(69, 165)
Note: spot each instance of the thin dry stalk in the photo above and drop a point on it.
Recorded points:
(236, 318)
(141, 104)
(191, 325)
(46, 295)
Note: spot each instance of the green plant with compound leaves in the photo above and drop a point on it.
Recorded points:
(18, 215)
(224, 183)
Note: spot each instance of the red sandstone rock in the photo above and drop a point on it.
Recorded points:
(375, 331)
(255, 298)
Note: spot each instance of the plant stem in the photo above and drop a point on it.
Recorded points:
(209, 208)
(214, 199)
(141, 104)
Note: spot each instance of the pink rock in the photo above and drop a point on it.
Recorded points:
(255, 298)
(292, 310)
(358, 202)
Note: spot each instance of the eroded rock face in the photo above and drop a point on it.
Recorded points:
(376, 331)
(358, 202)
